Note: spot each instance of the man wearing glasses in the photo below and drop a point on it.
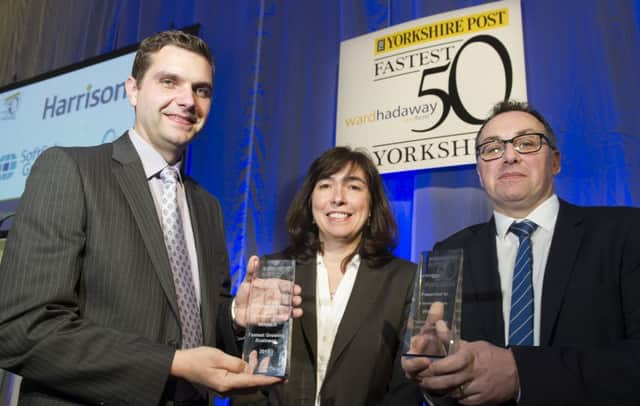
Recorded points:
(551, 309)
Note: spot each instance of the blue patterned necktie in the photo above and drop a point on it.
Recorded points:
(521, 316)
(190, 322)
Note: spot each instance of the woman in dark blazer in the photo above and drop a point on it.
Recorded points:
(346, 346)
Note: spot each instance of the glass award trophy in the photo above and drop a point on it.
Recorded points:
(267, 343)
(433, 324)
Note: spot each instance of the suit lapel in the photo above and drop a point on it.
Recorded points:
(130, 176)
(481, 286)
(567, 237)
(306, 278)
(366, 290)
(209, 284)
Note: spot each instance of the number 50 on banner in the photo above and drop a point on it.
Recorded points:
(452, 99)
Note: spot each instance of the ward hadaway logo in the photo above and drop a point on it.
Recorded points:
(8, 164)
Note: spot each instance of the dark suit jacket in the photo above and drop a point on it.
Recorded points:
(590, 326)
(364, 366)
(88, 310)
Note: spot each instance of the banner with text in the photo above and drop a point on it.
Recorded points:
(415, 94)
(85, 106)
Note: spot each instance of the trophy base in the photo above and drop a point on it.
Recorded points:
(266, 349)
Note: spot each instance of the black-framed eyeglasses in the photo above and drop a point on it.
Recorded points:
(523, 144)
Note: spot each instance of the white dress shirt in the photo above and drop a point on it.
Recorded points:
(153, 163)
(545, 216)
(329, 312)
(507, 243)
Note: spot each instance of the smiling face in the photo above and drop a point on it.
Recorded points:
(172, 100)
(517, 183)
(340, 205)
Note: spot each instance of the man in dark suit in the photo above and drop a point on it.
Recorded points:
(94, 280)
(551, 316)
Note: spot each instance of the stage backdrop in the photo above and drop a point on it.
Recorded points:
(276, 91)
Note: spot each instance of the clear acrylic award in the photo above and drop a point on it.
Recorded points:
(433, 324)
(267, 344)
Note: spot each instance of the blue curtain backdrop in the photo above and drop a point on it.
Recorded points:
(276, 87)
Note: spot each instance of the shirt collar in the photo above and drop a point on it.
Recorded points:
(353, 264)
(544, 216)
(152, 161)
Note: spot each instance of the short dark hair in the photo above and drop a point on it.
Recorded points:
(379, 235)
(514, 105)
(155, 43)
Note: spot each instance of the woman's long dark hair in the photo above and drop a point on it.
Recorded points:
(379, 234)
